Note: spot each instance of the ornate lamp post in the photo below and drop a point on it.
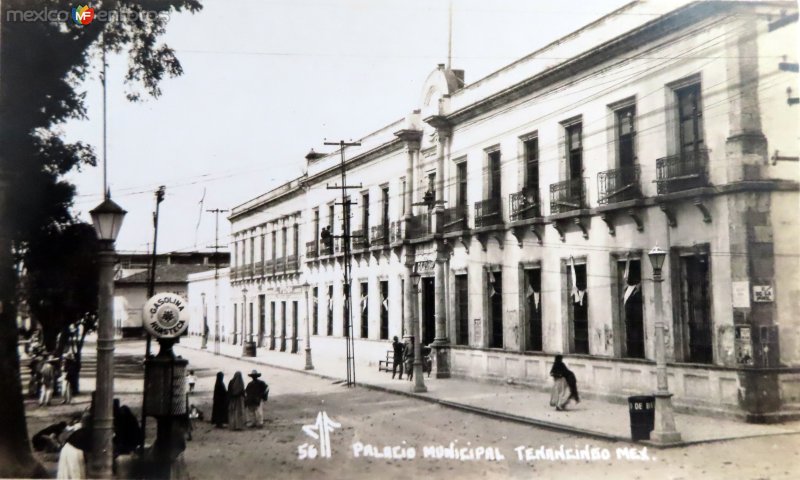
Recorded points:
(419, 381)
(664, 431)
(107, 218)
(205, 323)
(309, 364)
(248, 345)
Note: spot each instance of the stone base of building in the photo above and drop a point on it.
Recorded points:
(701, 389)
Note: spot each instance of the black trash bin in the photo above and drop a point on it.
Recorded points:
(643, 416)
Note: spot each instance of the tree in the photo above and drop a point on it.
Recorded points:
(42, 63)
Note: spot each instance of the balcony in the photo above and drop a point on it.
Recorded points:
(360, 240)
(269, 268)
(338, 246)
(291, 263)
(260, 269)
(280, 265)
(618, 185)
(488, 212)
(234, 273)
(524, 205)
(379, 235)
(326, 248)
(454, 219)
(419, 226)
(312, 249)
(567, 196)
(396, 231)
(682, 172)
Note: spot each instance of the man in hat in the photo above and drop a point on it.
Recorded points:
(255, 393)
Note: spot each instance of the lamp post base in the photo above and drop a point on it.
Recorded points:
(309, 365)
(419, 382)
(249, 349)
(664, 432)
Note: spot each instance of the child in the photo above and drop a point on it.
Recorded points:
(191, 380)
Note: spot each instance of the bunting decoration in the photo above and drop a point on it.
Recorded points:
(385, 303)
(533, 293)
(364, 303)
(629, 289)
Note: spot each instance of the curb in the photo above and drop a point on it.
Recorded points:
(555, 427)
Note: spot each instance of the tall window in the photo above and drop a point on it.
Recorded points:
(630, 307)
(283, 326)
(365, 212)
(295, 325)
(262, 319)
(533, 309)
(695, 309)
(578, 307)
(263, 248)
(296, 240)
(384, 308)
(331, 217)
(315, 311)
(495, 291)
(494, 175)
(274, 246)
(403, 195)
(235, 254)
(531, 147)
(284, 243)
(462, 310)
(574, 135)
(272, 326)
(690, 120)
(364, 304)
(252, 251)
(385, 206)
(626, 156)
(316, 225)
(330, 310)
(235, 321)
(461, 183)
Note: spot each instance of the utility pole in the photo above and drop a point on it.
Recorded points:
(348, 324)
(151, 288)
(216, 247)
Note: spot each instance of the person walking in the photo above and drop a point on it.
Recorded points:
(66, 389)
(236, 415)
(48, 373)
(219, 409)
(565, 385)
(256, 392)
(398, 349)
(73, 371)
(408, 358)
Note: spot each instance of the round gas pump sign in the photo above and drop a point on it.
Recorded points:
(163, 315)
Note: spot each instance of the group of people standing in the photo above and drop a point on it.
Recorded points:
(403, 358)
(50, 375)
(239, 406)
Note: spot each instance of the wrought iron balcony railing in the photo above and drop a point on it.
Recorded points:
(280, 265)
(454, 219)
(379, 235)
(312, 249)
(291, 263)
(269, 267)
(396, 231)
(419, 226)
(338, 246)
(618, 185)
(360, 239)
(488, 212)
(567, 196)
(260, 269)
(682, 172)
(326, 248)
(524, 205)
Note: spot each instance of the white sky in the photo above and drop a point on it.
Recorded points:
(266, 80)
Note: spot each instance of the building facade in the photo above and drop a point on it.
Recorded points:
(526, 203)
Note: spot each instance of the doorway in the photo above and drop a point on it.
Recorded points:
(428, 311)
(294, 326)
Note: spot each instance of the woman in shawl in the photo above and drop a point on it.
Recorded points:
(565, 386)
(219, 410)
(236, 415)
(72, 459)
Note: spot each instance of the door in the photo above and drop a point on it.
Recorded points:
(262, 321)
(272, 326)
(294, 326)
(696, 311)
(495, 291)
(428, 311)
(533, 301)
(384, 308)
(462, 310)
(283, 326)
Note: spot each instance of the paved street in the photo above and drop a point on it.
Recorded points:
(371, 420)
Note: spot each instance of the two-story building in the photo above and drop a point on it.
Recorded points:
(526, 202)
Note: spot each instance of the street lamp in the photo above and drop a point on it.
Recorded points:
(419, 381)
(107, 219)
(664, 431)
(205, 323)
(309, 365)
(248, 345)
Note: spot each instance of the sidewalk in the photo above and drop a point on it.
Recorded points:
(592, 418)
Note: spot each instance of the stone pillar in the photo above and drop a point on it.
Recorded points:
(412, 139)
(440, 343)
(408, 294)
(750, 229)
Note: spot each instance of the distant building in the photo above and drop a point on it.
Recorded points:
(172, 271)
(527, 202)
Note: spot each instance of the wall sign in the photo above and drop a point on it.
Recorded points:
(740, 294)
(763, 294)
(163, 315)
